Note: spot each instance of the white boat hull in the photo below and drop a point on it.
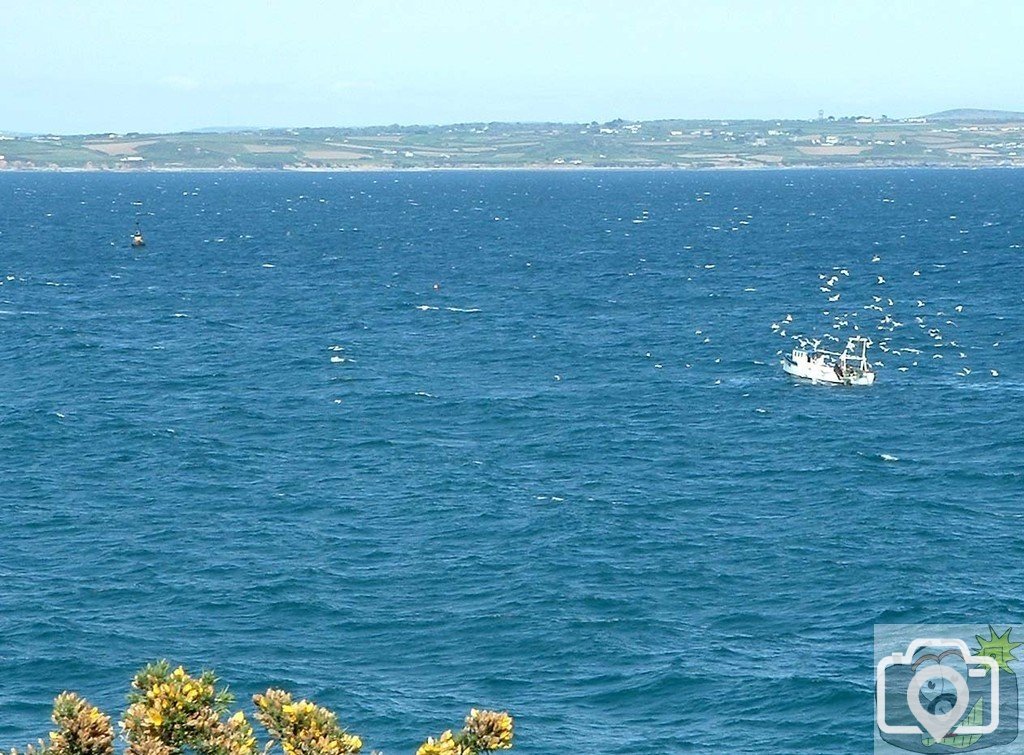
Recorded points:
(818, 372)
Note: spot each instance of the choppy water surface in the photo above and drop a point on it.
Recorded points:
(570, 481)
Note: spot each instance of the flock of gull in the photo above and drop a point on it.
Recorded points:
(897, 336)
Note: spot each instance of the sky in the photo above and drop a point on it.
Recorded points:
(108, 66)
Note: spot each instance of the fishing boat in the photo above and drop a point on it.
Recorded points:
(137, 238)
(848, 367)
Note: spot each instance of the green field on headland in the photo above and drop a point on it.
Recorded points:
(956, 138)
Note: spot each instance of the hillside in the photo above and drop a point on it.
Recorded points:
(974, 115)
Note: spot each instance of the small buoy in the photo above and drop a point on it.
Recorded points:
(437, 286)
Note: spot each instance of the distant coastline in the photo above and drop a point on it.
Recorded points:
(511, 169)
(953, 139)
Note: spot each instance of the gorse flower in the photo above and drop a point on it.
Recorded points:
(303, 728)
(171, 712)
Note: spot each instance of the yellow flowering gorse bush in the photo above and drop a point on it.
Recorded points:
(303, 728)
(82, 729)
(171, 712)
(446, 744)
(485, 731)
(489, 730)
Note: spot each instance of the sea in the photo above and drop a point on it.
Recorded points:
(411, 443)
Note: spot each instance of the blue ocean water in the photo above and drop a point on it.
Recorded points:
(570, 481)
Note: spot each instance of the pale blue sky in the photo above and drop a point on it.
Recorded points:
(104, 65)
